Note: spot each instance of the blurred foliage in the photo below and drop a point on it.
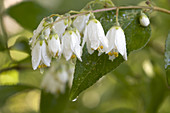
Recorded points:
(136, 86)
(167, 58)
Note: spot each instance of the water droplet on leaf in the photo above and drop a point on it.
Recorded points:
(75, 99)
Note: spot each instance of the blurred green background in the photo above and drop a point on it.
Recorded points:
(136, 86)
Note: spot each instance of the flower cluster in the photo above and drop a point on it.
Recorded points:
(67, 38)
(58, 77)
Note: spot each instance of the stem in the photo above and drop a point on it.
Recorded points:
(4, 33)
(114, 8)
(117, 14)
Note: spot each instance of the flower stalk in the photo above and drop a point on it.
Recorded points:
(113, 8)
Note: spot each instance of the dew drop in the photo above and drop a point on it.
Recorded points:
(75, 99)
(41, 70)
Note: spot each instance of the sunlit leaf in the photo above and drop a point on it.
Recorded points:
(9, 77)
(8, 91)
(5, 60)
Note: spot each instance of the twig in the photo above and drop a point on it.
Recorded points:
(114, 8)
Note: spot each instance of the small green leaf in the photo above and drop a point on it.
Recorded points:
(122, 110)
(8, 91)
(5, 60)
(28, 14)
(167, 59)
(93, 67)
(21, 44)
(53, 103)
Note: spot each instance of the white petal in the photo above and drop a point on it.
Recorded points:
(120, 42)
(78, 52)
(73, 40)
(80, 22)
(63, 76)
(90, 50)
(54, 46)
(60, 27)
(92, 32)
(36, 55)
(111, 39)
(46, 57)
(78, 35)
(47, 33)
(85, 37)
(144, 20)
(37, 31)
(66, 47)
(75, 45)
(111, 57)
(101, 35)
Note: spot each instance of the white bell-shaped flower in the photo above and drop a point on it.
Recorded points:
(116, 43)
(80, 22)
(46, 33)
(71, 45)
(40, 55)
(144, 20)
(60, 26)
(57, 77)
(54, 45)
(55, 82)
(39, 29)
(94, 36)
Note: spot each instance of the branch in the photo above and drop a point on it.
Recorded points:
(113, 8)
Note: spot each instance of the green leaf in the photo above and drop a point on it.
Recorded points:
(93, 67)
(5, 60)
(167, 59)
(2, 43)
(22, 44)
(53, 103)
(28, 14)
(8, 91)
(122, 110)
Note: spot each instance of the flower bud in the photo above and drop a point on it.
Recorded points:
(144, 20)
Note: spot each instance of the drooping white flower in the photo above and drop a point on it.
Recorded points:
(60, 26)
(80, 22)
(40, 55)
(117, 42)
(94, 36)
(57, 77)
(71, 45)
(144, 20)
(54, 45)
(46, 32)
(55, 82)
(39, 29)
